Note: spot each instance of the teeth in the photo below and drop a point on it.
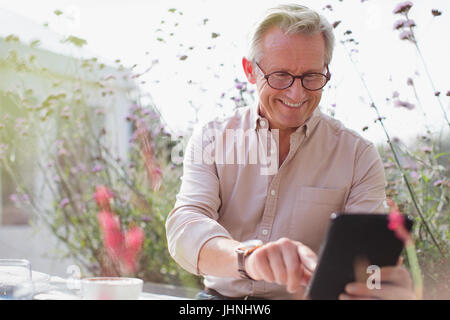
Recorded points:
(292, 105)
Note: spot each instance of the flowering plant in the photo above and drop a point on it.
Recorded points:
(107, 207)
(397, 224)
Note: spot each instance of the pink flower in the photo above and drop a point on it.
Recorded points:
(112, 235)
(397, 222)
(14, 198)
(156, 178)
(403, 7)
(134, 238)
(103, 195)
(122, 248)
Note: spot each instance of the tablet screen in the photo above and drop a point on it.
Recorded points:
(357, 239)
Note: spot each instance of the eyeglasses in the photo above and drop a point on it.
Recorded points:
(281, 80)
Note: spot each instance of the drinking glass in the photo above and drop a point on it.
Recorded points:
(15, 279)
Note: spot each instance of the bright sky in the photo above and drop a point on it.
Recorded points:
(128, 30)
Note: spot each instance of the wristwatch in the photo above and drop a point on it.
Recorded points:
(243, 251)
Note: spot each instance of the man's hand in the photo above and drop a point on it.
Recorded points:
(284, 261)
(396, 284)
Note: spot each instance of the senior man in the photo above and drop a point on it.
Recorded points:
(252, 228)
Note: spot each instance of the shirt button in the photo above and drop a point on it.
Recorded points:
(272, 192)
(265, 232)
(262, 123)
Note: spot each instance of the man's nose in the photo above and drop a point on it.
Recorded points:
(296, 91)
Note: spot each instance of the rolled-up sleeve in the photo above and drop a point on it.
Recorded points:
(367, 192)
(193, 220)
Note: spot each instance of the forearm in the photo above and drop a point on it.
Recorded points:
(218, 258)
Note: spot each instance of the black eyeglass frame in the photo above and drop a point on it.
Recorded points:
(266, 76)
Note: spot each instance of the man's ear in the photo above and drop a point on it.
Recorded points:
(249, 70)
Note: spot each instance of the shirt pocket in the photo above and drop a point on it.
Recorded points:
(311, 214)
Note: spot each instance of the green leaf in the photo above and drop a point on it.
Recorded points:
(441, 154)
(184, 57)
(214, 35)
(58, 12)
(35, 43)
(76, 41)
(172, 10)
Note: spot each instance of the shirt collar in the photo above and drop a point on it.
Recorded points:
(259, 122)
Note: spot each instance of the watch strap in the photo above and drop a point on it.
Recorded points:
(241, 255)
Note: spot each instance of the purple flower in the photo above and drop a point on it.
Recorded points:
(14, 197)
(146, 218)
(414, 175)
(404, 104)
(25, 198)
(240, 85)
(406, 35)
(409, 23)
(97, 168)
(64, 202)
(439, 182)
(399, 24)
(410, 82)
(426, 149)
(395, 94)
(403, 7)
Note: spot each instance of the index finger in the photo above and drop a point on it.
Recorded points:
(307, 257)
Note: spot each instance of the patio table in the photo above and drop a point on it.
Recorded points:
(57, 288)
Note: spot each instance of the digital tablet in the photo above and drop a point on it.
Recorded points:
(353, 240)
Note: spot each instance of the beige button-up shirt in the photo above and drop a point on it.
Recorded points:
(232, 187)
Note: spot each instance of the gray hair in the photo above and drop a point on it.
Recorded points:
(292, 19)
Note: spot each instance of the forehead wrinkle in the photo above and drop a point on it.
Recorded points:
(286, 56)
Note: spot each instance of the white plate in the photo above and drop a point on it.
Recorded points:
(41, 281)
(37, 276)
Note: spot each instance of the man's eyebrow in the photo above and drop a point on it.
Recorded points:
(307, 71)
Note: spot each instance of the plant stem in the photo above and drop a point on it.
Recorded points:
(416, 44)
(415, 269)
(410, 190)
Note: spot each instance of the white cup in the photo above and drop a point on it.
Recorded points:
(111, 288)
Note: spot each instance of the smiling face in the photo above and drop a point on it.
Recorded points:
(297, 54)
